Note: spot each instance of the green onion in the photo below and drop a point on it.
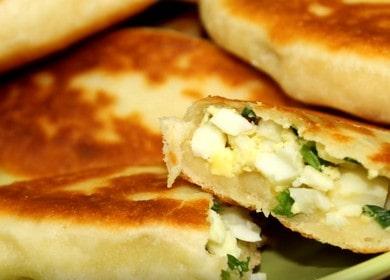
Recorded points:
(237, 265)
(310, 156)
(381, 215)
(250, 115)
(225, 275)
(217, 206)
(285, 204)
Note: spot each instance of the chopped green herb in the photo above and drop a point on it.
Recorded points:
(217, 206)
(381, 215)
(225, 275)
(237, 265)
(294, 130)
(285, 204)
(310, 156)
(351, 160)
(250, 115)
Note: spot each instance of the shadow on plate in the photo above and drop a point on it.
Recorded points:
(288, 255)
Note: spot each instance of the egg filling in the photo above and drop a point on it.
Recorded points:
(233, 143)
(228, 227)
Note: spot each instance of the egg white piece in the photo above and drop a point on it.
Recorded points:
(230, 122)
(240, 225)
(308, 200)
(228, 225)
(270, 130)
(356, 187)
(207, 140)
(315, 179)
(275, 167)
(217, 228)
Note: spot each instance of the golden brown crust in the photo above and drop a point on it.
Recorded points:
(69, 125)
(362, 27)
(326, 53)
(112, 223)
(383, 155)
(102, 199)
(38, 46)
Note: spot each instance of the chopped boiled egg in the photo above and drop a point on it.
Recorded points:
(308, 201)
(230, 122)
(228, 246)
(275, 167)
(228, 225)
(222, 163)
(221, 240)
(339, 217)
(313, 178)
(244, 148)
(331, 172)
(270, 130)
(290, 151)
(207, 140)
(232, 145)
(240, 225)
(351, 210)
(358, 189)
(217, 228)
(243, 143)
